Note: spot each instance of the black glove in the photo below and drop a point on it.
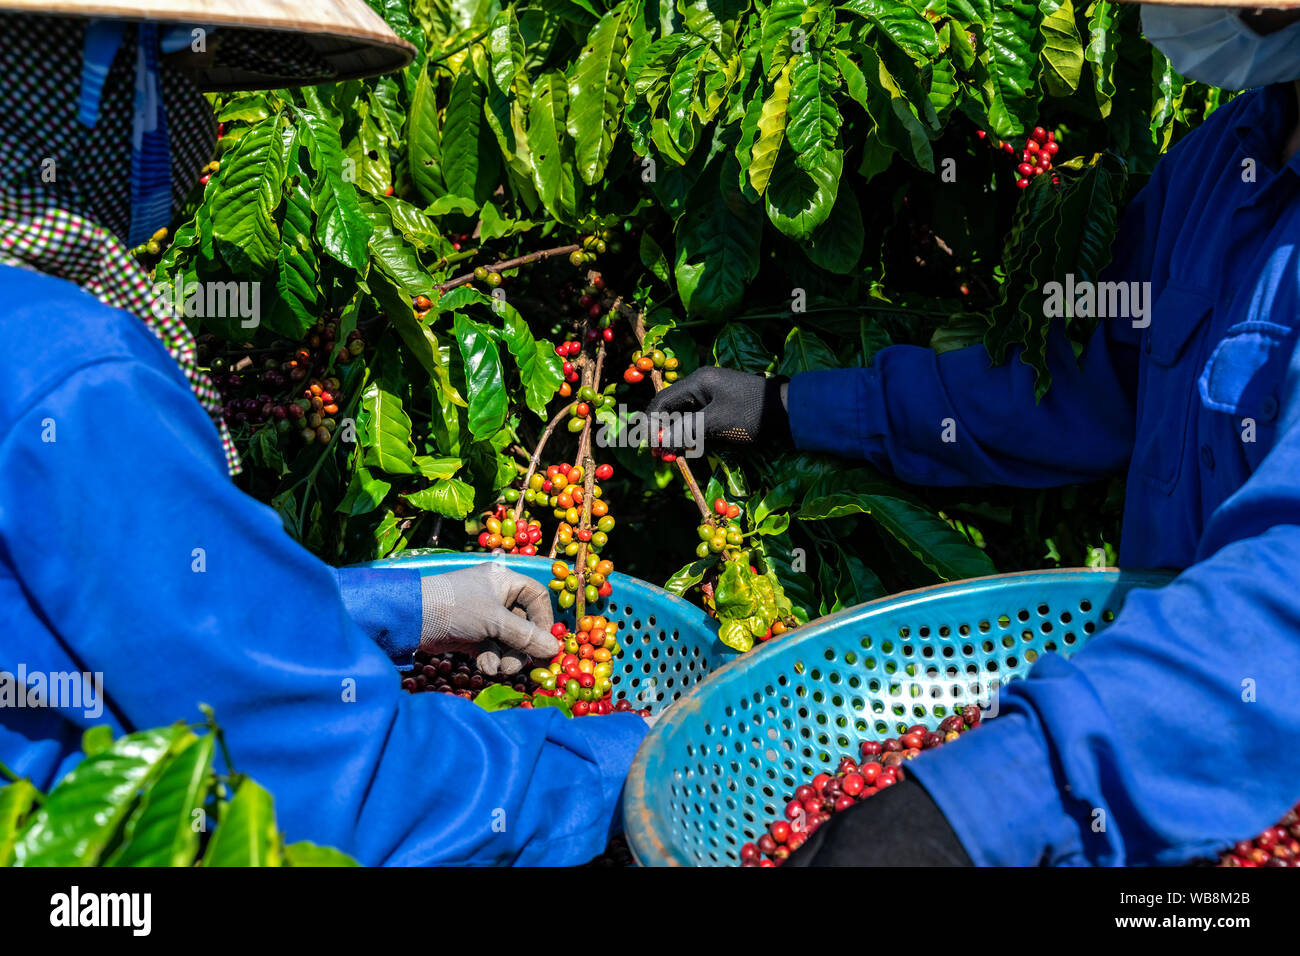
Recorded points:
(731, 406)
(900, 826)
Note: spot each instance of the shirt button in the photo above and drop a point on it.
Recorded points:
(1207, 457)
(1268, 408)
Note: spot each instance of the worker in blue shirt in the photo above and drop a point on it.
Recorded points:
(1173, 733)
(127, 553)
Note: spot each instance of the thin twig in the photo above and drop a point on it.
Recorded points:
(657, 379)
(537, 457)
(509, 264)
(454, 50)
(580, 562)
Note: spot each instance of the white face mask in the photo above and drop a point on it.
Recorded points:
(1212, 45)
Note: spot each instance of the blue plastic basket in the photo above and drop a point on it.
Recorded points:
(723, 763)
(669, 644)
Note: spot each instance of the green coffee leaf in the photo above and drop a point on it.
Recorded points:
(484, 377)
(596, 92)
(246, 834)
(165, 830)
(388, 431)
(83, 814)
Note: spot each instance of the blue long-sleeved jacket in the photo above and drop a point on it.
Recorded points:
(1174, 732)
(126, 551)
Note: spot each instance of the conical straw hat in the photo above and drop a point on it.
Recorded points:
(276, 42)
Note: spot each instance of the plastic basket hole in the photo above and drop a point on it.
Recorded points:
(650, 620)
(1089, 627)
(1070, 638)
(923, 631)
(1046, 627)
(1011, 662)
(1108, 615)
(948, 652)
(985, 627)
(865, 643)
(1066, 617)
(1004, 621)
(1022, 615)
(1030, 656)
(1085, 605)
(903, 632)
(1009, 641)
(927, 651)
(963, 629)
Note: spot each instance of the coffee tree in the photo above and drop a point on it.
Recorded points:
(774, 187)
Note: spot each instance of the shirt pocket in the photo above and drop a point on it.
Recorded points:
(1242, 379)
(1169, 389)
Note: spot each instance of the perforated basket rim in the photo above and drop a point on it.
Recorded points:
(643, 838)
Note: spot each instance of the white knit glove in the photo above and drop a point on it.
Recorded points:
(475, 608)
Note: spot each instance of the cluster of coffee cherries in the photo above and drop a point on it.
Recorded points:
(716, 537)
(453, 673)
(582, 672)
(1279, 845)
(1035, 157)
(502, 534)
(256, 395)
(567, 351)
(561, 489)
(208, 170)
(589, 402)
(643, 363)
(594, 244)
(460, 240)
(879, 765)
(313, 413)
(565, 581)
(213, 166)
(487, 276)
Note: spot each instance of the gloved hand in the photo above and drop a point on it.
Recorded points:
(731, 406)
(900, 826)
(490, 610)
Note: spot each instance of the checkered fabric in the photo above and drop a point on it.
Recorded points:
(65, 189)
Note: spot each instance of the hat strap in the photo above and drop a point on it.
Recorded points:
(151, 161)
